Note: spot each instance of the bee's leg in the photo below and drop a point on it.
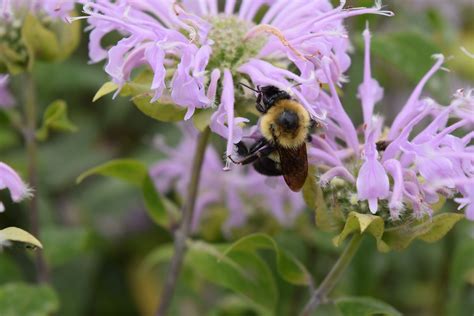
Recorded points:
(258, 145)
(264, 151)
(242, 149)
(312, 126)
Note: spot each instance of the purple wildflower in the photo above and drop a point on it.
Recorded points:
(392, 164)
(14, 10)
(10, 180)
(198, 53)
(241, 190)
(6, 99)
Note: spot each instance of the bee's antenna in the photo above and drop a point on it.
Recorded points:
(296, 85)
(243, 84)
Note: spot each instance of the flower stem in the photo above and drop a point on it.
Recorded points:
(42, 273)
(330, 281)
(182, 232)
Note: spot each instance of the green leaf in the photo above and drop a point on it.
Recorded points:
(242, 272)
(362, 223)
(161, 254)
(27, 300)
(17, 234)
(408, 52)
(129, 170)
(154, 202)
(55, 118)
(364, 306)
(288, 266)
(164, 112)
(106, 88)
(430, 230)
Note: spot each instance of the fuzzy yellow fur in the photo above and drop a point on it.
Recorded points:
(293, 139)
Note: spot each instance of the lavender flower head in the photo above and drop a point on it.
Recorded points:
(10, 180)
(396, 169)
(241, 190)
(198, 52)
(6, 99)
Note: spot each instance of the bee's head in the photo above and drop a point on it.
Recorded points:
(288, 120)
(267, 96)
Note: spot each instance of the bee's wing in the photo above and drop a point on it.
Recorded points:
(294, 166)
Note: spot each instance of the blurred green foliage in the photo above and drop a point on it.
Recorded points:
(98, 233)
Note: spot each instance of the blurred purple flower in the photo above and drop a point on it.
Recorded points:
(240, 191)
(12, 10)
(204, 47)
(10, 180)
(422, 164)
(6, 99)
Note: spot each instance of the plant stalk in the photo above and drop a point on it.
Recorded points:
(333, 277)
(42, 272)
(183, 231)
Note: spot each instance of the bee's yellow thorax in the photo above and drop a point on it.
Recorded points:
(275, 133)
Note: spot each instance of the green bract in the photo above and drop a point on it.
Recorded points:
(344, 217)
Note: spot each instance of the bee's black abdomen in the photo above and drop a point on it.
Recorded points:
(267, 167)
(288, 120)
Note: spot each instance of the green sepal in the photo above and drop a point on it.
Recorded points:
(398, 237)
(363, 223)
(429, 230)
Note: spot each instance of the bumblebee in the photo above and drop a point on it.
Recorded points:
(285, 126)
